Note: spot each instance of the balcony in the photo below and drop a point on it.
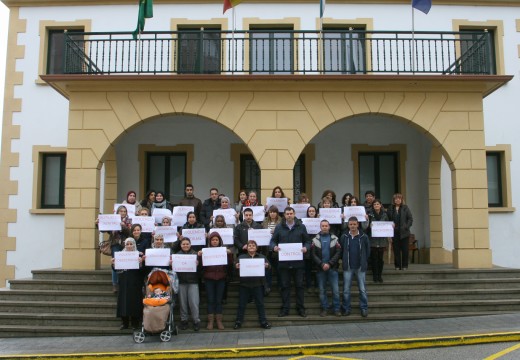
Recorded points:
(280, 52)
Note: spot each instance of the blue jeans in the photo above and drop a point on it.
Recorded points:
(332, 277)
(215, 293)
(347, 283)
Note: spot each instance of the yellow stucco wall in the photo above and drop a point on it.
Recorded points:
(276, 119)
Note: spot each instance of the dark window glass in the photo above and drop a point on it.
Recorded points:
(494, 178)
(53, 181)
(56, 52)
(475, 53)
(272, 52)
(344, 51)
(249, 174)
(379, 172)
(199, 52)
(299, 176)
(167, 172)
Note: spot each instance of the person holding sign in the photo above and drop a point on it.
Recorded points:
(215, 280)
(131, 198)
(271, 220)
(377, 244)
(190, 200)
(115, 239)
(158, 243)
(251, 284)
(161, 202)
(149, 200)
(130, 296)
(325, 252)
(188, 289)
(290, 231)
(191, 223)
(401, 215)
(310, 279)
(213, 203)
(355, 248)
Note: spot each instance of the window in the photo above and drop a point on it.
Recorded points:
(299, 176)
(378, 172)
(477, 49)
(271, 51)
(249, 174)
(344, 50)
(166, 171)
(199, 51)
(56, 49)
(52, 181)
(494, 178)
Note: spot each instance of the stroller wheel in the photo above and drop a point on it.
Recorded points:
(166, 336)
(139, 337)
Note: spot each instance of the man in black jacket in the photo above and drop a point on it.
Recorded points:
(213, 203)
(291, 231)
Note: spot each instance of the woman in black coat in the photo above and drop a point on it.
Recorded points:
(401, 215)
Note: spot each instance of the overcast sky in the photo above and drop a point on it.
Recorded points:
(4, 19)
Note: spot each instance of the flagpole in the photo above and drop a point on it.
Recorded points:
(320, 43)
(413, 38)
(139, 52)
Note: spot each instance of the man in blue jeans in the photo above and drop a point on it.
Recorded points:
(355, 254)
(325, 253)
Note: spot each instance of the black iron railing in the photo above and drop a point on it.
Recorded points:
(280, 52)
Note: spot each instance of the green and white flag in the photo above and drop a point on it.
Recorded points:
(145, 12)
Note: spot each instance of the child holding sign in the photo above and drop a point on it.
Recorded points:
(251, 285)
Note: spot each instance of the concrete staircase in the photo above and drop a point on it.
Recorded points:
(74, 303)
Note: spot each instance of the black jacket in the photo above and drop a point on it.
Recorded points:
(335, 252)
(207, 211)
(252, 281)
(298, 234)
(402, 228)
(240, 234)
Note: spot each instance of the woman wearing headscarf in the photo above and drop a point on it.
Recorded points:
(161, 202)
(131, 198)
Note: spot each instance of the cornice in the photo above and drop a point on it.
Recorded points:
(23, 3)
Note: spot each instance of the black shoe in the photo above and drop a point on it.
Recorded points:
(184, 325)
(267, 291)
(266, 325)
(238, 325)
(302, 313)
(283, 313)
(380, 280)
(196, 326)
(345, 313)
(364, 312)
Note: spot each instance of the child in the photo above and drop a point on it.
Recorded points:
(188, 290)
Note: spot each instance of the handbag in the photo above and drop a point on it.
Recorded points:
(105, 247)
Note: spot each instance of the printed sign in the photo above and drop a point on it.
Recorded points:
(147, 223)
(125, 260)
(196, 236)
(158, 215)
(184, 263)
(109, 222)
(333, 215)
(261, 236)
(130, 209)
(290, 251)
(229, 215)
(252, 267)
(300, 210)
(280, 203)
(382, 229)
(312, 225)
(225, 233)
(258, 212)
(214, 256)
(357, 211)
(168, 232)
(157, 257)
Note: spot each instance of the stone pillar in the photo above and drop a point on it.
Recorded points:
(110, 196)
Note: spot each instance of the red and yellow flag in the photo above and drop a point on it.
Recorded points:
(228, 4)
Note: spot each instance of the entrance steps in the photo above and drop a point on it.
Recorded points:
(73, 303)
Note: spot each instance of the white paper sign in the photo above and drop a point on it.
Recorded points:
(157, 257)
(109, 222)
(183, 210)
(130, 209)
(357, 211)
(258, 212)
(382, 229)
(158, 214)
(312, 225)
(290, 251)
(124, 260)
(169, 233)
(178, 220)
(300, 210)
(214, 256)
(147, 223)
(229, 215)
(280, 203)
(252, 267)
(225, 233)
(261, 236)
(196, 236)
(184, 263)
(333, 215)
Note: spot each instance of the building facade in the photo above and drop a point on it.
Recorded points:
(259, 113)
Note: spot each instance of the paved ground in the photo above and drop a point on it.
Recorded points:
(279, 341)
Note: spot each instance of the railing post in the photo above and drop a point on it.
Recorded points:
(489, 51)
(352, 68)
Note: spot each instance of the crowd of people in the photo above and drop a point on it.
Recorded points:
(349, 244)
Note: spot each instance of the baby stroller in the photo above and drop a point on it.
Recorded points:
(161, 285)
